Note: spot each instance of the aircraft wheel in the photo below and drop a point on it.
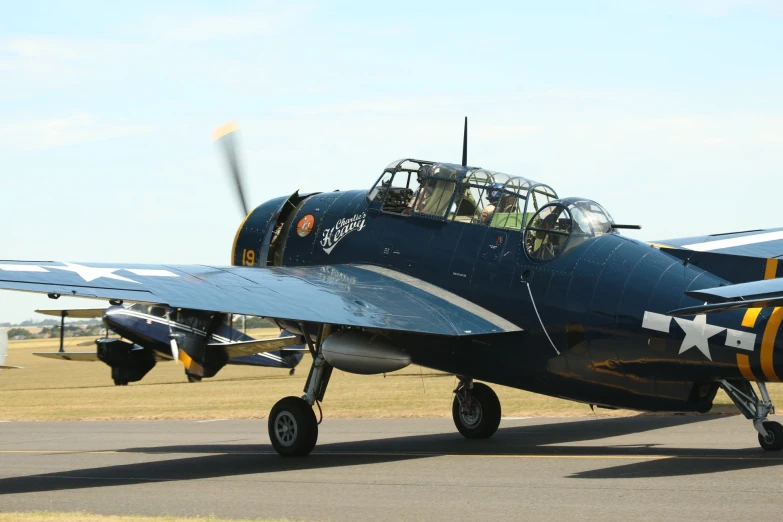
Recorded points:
(120, 382)
(193, 378)
(482, 419)
(774, 439)
(293, 428)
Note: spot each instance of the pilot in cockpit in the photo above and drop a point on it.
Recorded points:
(420, 176)
(428, 197)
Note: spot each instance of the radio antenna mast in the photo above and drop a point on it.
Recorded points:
(465, 144)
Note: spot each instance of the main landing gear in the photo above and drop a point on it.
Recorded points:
(293, 428)
(476, 409)
(745, 398)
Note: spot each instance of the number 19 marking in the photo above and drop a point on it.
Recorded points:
(248, 257)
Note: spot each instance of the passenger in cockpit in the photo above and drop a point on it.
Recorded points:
(498, 202)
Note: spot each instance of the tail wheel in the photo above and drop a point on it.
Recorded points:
(477, 415)
(120, 382)
(774, 439)
(293, 428)
(193, 378)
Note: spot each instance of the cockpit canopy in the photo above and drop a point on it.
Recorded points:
(455, 193)
(563, 225)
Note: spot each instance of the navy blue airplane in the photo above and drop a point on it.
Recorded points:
(157, 332)
(483, 275)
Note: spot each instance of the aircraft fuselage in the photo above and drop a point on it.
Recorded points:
(603, 336)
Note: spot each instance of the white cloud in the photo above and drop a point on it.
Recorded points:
(64, 131)
(34, 64)
(188, 27)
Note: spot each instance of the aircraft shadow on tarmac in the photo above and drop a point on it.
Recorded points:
(531, 440)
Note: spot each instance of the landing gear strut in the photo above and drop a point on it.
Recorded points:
(745, 398)
(292, 426)
(476, 409)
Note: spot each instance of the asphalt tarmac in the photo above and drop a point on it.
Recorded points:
(642, 468)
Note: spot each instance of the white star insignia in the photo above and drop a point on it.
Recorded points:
(697, 334)
(89, 273)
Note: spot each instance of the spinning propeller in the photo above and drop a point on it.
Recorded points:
(225, 135)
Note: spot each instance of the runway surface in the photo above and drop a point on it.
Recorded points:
(649, 468)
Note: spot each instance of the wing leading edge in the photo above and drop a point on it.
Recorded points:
(752, 243)
(359, 295)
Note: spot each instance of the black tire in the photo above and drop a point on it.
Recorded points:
(193, 378)
(774, 439)
(483, 421)
(293, 428)
(120, 382)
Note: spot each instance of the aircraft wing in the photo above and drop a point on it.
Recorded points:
(752, 243)
(756, 294)
(739, 257)
(70, 356)
(237, 349)
(351, 295)
(76, 313)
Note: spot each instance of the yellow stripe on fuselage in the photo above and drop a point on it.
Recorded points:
(749, 321)
(768, 344)
(772, 269)
(743, 363)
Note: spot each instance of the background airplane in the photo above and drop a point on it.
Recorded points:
(158, 333)
(483, 275)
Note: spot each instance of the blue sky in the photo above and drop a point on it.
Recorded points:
(667, 112)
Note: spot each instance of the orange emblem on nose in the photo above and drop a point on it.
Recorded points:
(305, 225)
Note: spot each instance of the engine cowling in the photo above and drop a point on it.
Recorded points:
(129, 362)
(359, 352)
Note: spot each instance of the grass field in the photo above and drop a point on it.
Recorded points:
(49, 389)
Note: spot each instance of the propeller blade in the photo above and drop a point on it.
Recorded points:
(174, 350)
(225, 135)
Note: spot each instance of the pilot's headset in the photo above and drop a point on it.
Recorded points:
(495, 193)
(422, 174)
